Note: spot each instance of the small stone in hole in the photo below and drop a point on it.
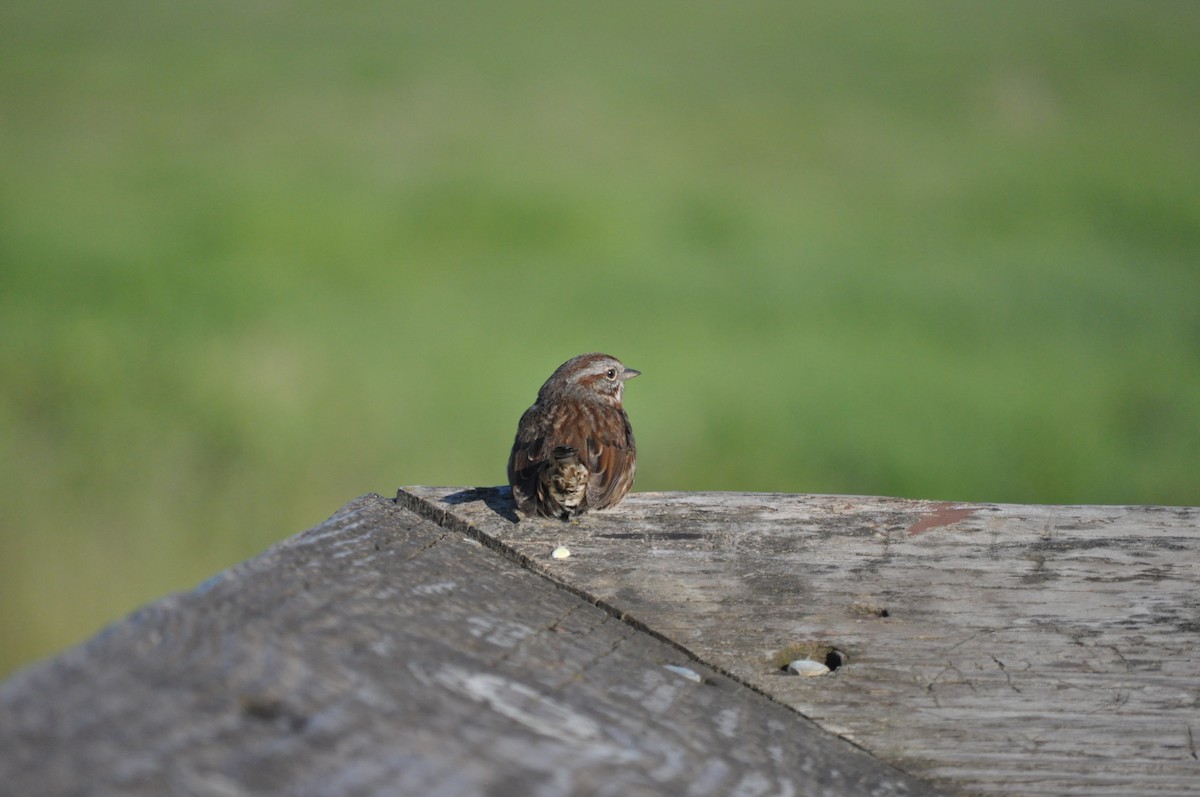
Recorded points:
(815, 652)
(807, 667)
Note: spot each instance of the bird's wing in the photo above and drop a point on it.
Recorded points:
(611, 461)
(528, 453)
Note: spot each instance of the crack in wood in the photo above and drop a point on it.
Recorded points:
(579, 673)
(1117, 652)
(426, 546)
(1007, 674)
(536, 636)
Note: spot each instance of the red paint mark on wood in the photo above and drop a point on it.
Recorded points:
(944, 514)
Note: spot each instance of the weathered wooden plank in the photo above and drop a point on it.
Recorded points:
(994, 648)
(382, 654)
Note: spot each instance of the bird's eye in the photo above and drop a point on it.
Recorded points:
(611, 373)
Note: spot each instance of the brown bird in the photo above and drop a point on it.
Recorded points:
(574, 449)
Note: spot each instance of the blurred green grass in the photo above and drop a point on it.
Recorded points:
(256, 260)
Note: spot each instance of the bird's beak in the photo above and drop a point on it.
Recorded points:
(629, 374)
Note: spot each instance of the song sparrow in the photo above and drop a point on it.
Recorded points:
(574, 449)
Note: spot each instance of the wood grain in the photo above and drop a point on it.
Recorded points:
(989, 648)
(383, 654)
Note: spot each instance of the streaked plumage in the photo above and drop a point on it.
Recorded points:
(574, 449)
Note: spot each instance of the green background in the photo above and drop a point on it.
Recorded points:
(259, 258)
